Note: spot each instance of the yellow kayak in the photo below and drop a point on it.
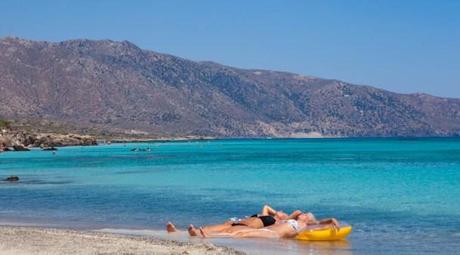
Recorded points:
(322, 233)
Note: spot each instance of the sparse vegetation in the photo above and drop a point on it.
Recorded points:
(5, 123)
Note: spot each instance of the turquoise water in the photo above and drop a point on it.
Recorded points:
(401, 196)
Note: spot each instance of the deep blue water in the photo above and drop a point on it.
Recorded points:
(402, 196)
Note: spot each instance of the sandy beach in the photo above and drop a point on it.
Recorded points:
(49, 241)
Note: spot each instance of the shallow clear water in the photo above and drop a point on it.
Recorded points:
(401, 196)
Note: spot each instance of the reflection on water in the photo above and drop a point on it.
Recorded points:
(36, 182)
(293, 247)
(251, 246)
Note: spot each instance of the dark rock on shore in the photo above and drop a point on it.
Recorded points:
(20, 148)
(12, 179)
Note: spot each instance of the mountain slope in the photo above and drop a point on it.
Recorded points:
(117, 84)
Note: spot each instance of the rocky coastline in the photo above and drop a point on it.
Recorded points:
(20, 140)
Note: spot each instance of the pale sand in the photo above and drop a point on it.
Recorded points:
(37, 240)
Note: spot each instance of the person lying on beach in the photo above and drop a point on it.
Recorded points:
(267, 217)
(285, 229)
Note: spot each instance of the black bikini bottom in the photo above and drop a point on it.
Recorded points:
(267, 220)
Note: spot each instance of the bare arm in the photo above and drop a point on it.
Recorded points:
(294, 215)
(267, 210)
(331, 221)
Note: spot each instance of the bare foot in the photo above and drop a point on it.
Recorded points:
(192, 230)
(203, 233)
(170, 227)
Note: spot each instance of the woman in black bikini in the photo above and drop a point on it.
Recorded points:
(266, 220)
(267, 217)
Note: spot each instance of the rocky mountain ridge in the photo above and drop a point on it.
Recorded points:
(118, 85)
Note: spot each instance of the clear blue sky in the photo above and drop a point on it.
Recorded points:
(403, 46)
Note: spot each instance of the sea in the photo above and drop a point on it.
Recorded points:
(400, 195)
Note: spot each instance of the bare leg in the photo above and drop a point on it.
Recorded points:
(194, 232)
(206, 234)
(218, 228)
(229, 231)
(170, 227)
(241, 232)
(256, 233)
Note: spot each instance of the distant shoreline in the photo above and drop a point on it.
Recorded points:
(55, 140)
(269, 138)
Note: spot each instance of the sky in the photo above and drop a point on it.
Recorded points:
(403, 46)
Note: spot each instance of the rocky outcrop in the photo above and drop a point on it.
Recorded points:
(4, 143)
(20, 147)
(18, 140)
(12, 179)
(57, 140)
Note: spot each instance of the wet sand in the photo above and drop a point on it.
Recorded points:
(37, 240)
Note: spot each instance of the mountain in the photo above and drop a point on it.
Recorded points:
(118, 85)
